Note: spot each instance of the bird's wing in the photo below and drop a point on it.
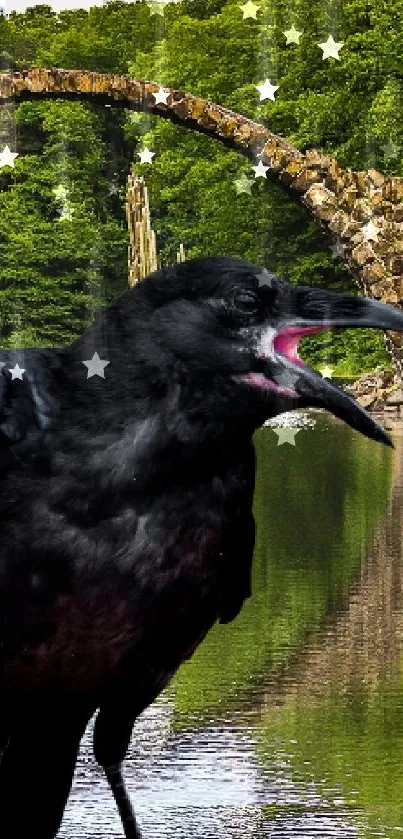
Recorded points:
(239, 539)
(28, 402)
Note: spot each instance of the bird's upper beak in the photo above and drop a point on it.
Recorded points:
(303, 311)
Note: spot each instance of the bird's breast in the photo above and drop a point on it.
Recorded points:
(156, 613)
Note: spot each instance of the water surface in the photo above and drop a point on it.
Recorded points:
(289, 721)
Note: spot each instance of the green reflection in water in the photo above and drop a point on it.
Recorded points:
(316, 507)
(349, 744)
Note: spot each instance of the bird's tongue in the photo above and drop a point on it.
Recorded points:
(286, 341)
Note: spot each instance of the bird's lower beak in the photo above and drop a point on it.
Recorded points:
(314, 310)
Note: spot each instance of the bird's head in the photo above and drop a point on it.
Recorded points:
(228, 330)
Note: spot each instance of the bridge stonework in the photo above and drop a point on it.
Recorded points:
(363, 211)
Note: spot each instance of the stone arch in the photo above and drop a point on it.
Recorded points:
(361, 210)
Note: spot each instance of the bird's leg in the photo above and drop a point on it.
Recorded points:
(112, 733)
(115, 780)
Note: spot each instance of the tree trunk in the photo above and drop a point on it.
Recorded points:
(363, 210)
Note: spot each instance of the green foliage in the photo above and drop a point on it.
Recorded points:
(350, 108)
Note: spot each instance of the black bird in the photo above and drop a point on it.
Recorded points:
(126, 527)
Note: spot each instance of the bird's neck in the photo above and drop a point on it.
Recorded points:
(154, 449)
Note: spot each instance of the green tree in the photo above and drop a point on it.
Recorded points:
(349, 108)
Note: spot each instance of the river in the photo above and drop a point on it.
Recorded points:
(287, 723)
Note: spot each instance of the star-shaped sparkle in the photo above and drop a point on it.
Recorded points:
(292, 35)
(267, 90)
(331, 48)
(264, 278)
(249, 9)
(370, 231)
(390, 149)
(7, 157)
(16, 372)
(161, 96)
(260, 170)
(135, 117)
(243, 184)
(96, 366)
(66, 213)
(146, 155)
(287, 378)
(327, 371)
(286, 435)
(338, 249)
(155, 8)
(60, 192)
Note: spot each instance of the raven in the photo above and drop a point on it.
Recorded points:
(126, 528)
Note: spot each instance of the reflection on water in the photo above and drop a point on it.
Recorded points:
(289, 722)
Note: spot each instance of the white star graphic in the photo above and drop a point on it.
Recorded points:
(155, 8)
(267, 90)
(161, 96)
(286, 435)
(391, 149)
(66, 213)
(338, 249)
(60, 192)
(243, 184)
(16, 372)
(95, 366)
(370, 231)
(264, 278)
(331, 48)
(7, 157)
(135, 117)
(292, 35)
(287, 378)
(249, 9)
(146, 155)
(326, 371)
(260, 170)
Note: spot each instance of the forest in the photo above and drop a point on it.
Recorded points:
(63, 231)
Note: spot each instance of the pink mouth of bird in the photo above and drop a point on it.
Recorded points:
(285, 343)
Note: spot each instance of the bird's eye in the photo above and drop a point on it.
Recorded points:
(245, 302)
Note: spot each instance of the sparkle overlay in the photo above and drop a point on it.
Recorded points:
(260, 170)
(327, 371)
(161, 96)
(292, 35)
(370, 231)
(146, 156)
(243, 184)
(7, 157)
(249, 9)
(331, 48)
(286, 435)
(96, 367)
(264, 278)
(16, 372)
(287, 378)
(267, 90)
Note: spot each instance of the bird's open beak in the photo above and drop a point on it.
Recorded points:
(312, 310)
